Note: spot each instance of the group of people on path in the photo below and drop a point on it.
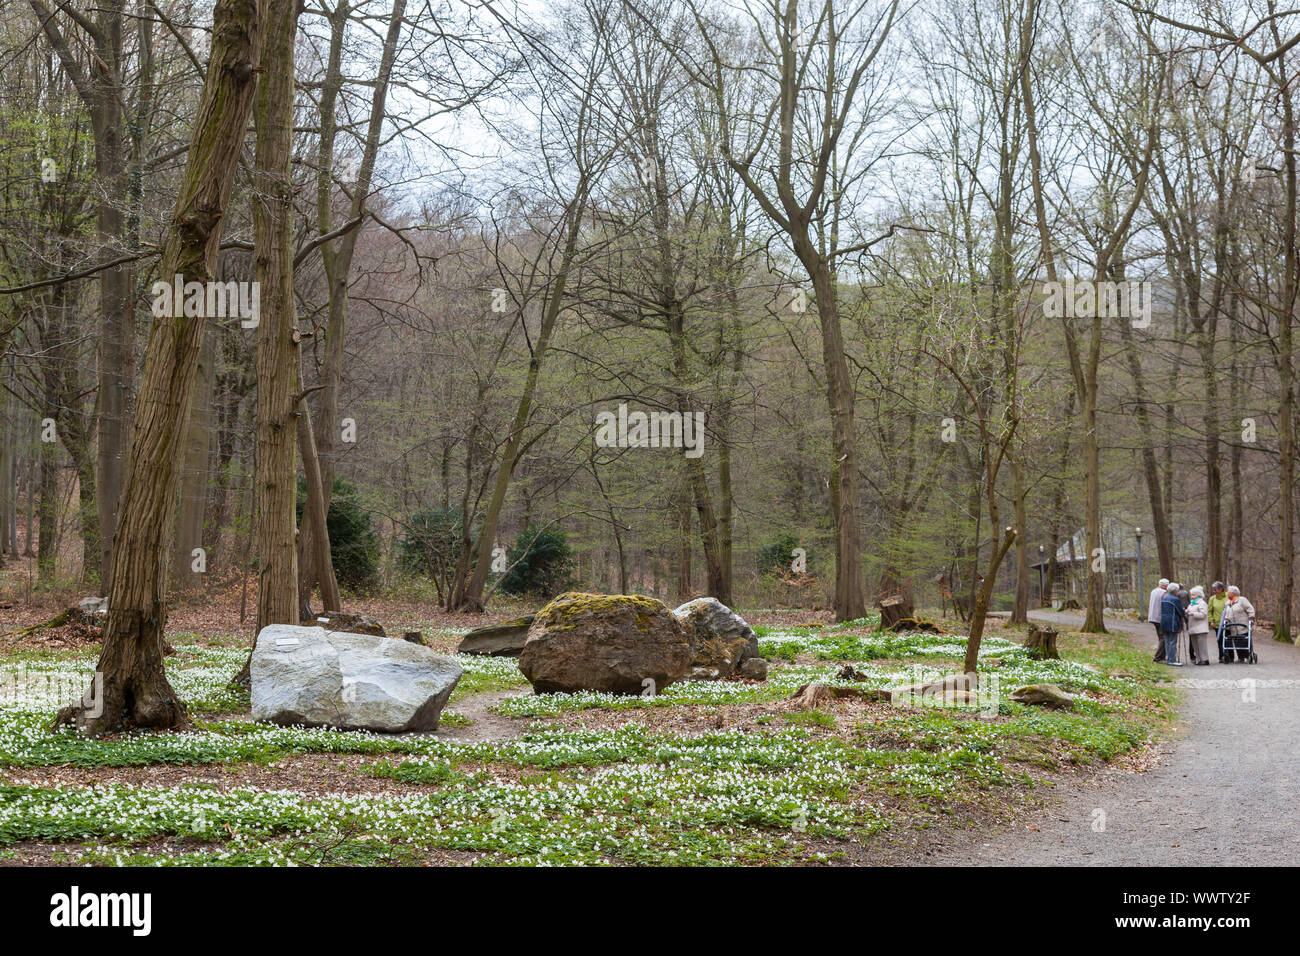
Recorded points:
(1183, 620)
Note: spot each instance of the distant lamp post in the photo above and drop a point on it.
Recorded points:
(1041, 559)
(1138, 589)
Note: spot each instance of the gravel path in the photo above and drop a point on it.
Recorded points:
(485, 723)
(1222, 793)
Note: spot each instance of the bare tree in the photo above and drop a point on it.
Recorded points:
(816, 67)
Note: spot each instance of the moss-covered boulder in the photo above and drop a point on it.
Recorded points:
(616, 643)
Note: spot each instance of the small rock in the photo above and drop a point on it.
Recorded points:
(497, 640)
(414, 637)
(755, 668)
(345, 623)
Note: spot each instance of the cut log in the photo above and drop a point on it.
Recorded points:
(814, 695)
(1043, 695)
(1041, 643)
(950, 690)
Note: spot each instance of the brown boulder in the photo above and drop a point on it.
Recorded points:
(604, 642)
(346, 623)
(497, 640)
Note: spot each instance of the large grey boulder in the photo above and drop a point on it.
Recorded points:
(720, 638)
(319, 678)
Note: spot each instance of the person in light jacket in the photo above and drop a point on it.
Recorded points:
(1172, 620)
(1198, 626)
(1237, 610)
(1153, 616)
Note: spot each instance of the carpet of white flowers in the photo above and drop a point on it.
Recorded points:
(636, 793)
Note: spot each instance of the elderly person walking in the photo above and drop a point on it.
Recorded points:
(1218, 598)
(1198, 626)
(1237, 610)
(1153, 616)
(1172, 620)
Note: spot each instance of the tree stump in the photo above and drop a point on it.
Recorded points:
(1041, 643)
(894, 608)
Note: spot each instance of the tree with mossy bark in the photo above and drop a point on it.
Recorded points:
(135, 691)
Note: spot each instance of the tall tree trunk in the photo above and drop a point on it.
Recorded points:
(98, 79)
(135, 691)
(1285, 366)
(1234, 401)
(48, 550)
(1020, 603)
(683, 508)
(725, 521)
(1150, 470)
(850, 604)
(277, 344)
(315, 506)
(1093, 621)
(337, 254)
(8, 472)
(194, 473)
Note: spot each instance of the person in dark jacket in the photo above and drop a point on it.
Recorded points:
(1185, 597)
(1172, 619)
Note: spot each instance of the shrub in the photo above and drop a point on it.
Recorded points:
(432, 543)
(776, 555)
(354, 544)
(538, 563)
